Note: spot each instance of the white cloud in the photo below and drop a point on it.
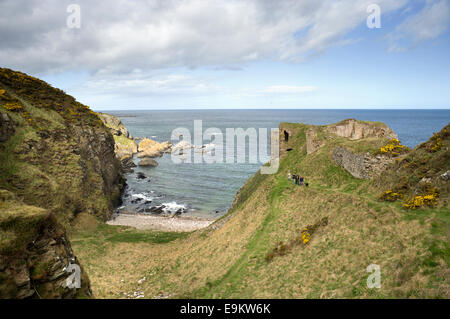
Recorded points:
(289, 89)
(138, 83)
(427, 24)
(119, 36)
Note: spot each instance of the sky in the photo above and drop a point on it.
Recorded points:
(208, 54)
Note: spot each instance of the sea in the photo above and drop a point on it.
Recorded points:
(208, 189)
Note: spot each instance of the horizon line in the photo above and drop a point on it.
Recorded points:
(280, 109)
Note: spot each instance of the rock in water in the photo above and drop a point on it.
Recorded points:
(128, 164)
(179, 212)
(136, 200)
(148, 162)
(183, 145)
(141, 175)
(124, 147)
(157, 210)
(151, 148)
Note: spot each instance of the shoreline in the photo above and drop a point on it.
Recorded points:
(160, 223)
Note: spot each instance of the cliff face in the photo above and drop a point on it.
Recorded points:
(61, 156)
(35, 254)
(56, 156)
(114, 124)
(356, 130)
(125, 146)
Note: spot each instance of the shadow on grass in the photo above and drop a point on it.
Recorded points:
(121, 234)
(145, 237)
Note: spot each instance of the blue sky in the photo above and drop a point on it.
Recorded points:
(246, 54)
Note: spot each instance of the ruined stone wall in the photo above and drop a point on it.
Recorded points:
(363, 166)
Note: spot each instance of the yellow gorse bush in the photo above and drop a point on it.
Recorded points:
(13, 106)
(390, 196)
(306, 236)
(394, 147)
(429, 200)
(42, 95)
(437, 145)
(282, 248)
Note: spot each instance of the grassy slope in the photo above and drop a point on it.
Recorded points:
(19, 223)
(410, 247)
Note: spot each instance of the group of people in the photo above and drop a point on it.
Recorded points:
(298, 180)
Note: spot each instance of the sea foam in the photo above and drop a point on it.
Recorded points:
(172, 207)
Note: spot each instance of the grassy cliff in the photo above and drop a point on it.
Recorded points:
(60, 156)
(280, 240)
(57, 163)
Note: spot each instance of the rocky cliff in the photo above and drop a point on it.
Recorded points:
(55, 155)
(56, 146)
(114, 124)
(35, 254)
(356, 130)
(124, 144)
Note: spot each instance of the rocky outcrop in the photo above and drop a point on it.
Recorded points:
(114, 124)
(150, 148)
(124, 147)
(6, 127)
(356, 130)
(181, 146)
(37, 261)
(363, 166)
(128, 165)
(96, 148)
(124, 144)
(313, 142)
(148, 162)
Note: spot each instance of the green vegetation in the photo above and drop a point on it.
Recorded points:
(19, 223)
(279, 240)
(38, 93)
(49, 151)
(274, 242)
(393, 148)
(124, 141)
(104, 233)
